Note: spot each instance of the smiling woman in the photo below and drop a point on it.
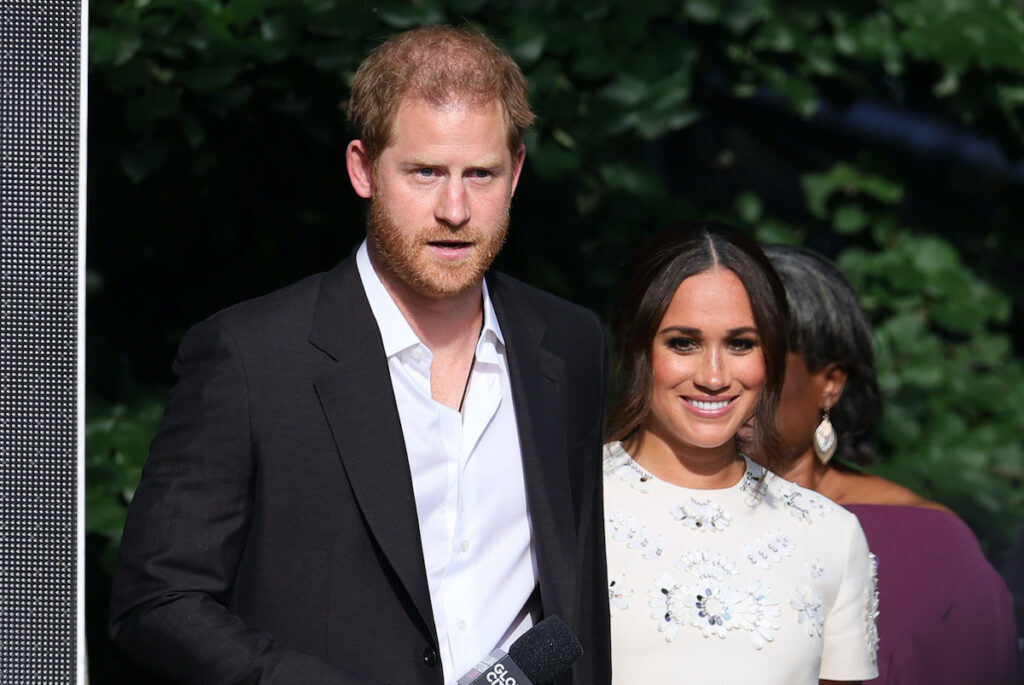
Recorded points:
(702, 542)
(705, 380)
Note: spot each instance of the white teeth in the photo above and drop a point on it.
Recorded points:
(709, 406)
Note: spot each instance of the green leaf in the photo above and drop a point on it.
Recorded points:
(949, 84)
(749, 207)
(819, 187)
(625, 90)
(772, 231)
(741, 15)
(850, 219)
(563, 138)
(990, 350)
(702, 11)
(112, 47)
(405, 15)
(104, 515)
(631, 179)
(527, 43)
(933, 256)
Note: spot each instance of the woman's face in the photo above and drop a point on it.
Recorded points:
(707, 364)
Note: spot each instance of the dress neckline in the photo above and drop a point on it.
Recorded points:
(617, 457)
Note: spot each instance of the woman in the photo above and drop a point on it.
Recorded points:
(719, 571)
(946, 615)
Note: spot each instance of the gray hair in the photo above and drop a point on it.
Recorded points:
(828, 326)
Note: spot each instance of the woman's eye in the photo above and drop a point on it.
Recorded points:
(742, 344)
(682, 344)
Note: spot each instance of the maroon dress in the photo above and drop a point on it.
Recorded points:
(945, 614)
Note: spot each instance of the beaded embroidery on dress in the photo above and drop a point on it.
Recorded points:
(748, 581)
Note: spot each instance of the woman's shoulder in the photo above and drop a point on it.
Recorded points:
(910, 529)
(851, 487)
(803, 503)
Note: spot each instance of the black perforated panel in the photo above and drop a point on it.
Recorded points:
(39, 208)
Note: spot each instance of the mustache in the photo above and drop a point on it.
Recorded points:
(445, 234)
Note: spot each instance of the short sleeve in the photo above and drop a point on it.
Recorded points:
(851, 637)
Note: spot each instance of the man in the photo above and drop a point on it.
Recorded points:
(383, 472)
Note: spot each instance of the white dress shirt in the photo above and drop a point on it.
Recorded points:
(467, 477)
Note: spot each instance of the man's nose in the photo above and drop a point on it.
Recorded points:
(453, 205)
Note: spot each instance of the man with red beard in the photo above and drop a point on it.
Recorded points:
(383, 472)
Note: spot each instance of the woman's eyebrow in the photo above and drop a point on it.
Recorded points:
(685, 330)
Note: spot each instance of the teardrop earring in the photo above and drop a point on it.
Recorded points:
(825, 439)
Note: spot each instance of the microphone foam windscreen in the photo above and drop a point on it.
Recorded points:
(545, 651)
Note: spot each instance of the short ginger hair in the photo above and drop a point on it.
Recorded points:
(441, 65)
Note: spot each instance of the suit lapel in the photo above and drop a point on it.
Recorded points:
(359, 403)
(539, 392)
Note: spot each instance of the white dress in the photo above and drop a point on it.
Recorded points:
(761, 582)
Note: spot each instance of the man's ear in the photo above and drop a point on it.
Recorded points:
(360, 168)
(835, 380)
(517, 166)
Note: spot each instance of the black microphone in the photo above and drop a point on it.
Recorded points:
(538, 656)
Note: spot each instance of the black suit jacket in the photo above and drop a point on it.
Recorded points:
(274, 536)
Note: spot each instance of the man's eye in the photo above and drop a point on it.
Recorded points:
(426, 172)
(480, 173)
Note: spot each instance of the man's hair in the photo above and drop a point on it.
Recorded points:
(441, 65)
(828, 326)
(652, 278)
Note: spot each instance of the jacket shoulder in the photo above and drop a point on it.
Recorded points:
(554, 308)
(290, 302)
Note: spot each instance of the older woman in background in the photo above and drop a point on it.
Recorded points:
(945, 613)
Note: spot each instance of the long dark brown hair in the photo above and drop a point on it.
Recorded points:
(651, 279)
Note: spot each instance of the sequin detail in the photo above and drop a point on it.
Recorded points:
(871, 609)
(617, 462)
(801, 504)
(770, 549)
(629, 529)
(809, 612)
(701, 515)
(714, 609)
(619, 594)
(706, 565)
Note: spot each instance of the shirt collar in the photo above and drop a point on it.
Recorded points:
(395, 331)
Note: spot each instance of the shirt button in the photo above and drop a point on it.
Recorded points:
(416, 354)
(463, 626)
(464, 546)
(430, 657)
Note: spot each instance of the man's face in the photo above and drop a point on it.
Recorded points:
(440, 197)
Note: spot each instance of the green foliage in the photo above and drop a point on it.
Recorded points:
(953, 391)
(117, 443)
(215, 130)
